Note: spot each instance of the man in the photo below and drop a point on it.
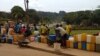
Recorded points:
(44, 30)
(64, 36)
(25, 40)
(68, 29)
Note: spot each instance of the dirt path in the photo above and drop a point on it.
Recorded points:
(13, 50)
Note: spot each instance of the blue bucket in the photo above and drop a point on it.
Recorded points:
(52, 37)
(76, 45)
(84, 45)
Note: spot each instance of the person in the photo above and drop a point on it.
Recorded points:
(58, 35)
(23, 29)
(36, 32)
(3, 34)
(43, 30)
(17, 28)
(64, 36)
(11, 33)
(25, 40)
(68, 29)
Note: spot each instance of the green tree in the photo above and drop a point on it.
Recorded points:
(33, 16)
(17, 13)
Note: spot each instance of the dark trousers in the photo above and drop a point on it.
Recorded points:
(63, 40)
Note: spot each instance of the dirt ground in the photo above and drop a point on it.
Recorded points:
(40, 49)
(13, 50)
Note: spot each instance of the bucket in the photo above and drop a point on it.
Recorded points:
(52, 37)
(57, 47)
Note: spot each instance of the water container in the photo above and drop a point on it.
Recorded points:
(79, 45)
(3, 38)
(93, 39)
(84, 37)
(43, 39)
(39, 38)
(75, 45)
(67, 43)
(75, 37)
(90, 47)
(97, 47)
(97, 39)
(10, 41)
(79, 37)
(84, 45)
(57, 47)
(15, 38)
(89, 38)
(71, 42)
(52, 37)
(36, 39)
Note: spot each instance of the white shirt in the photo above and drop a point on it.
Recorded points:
(62, 30)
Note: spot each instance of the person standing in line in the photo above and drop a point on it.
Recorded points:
(68, 29)
(64, 36)
(58, 35)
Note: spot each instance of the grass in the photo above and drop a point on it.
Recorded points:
(84, 31)
(52, 31)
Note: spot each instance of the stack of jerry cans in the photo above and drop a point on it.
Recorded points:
(79, 41)
(83, 40)
(91, 40)
(97, 43)
(75, 44)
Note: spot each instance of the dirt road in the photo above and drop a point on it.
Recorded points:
(13, 50)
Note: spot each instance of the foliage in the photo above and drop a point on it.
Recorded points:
(17, 12)
(83, 18)
(34, 18)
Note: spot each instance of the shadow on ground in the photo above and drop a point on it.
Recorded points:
(53, 52)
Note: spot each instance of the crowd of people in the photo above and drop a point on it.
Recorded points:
(9, 29)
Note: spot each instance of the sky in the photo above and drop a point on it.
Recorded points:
(51, 5)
